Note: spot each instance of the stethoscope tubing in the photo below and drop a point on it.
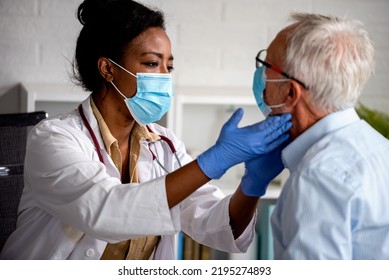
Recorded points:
(92, 134)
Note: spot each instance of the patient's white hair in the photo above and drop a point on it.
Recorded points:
(334, 57)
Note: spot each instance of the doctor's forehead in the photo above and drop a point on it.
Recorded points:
(151, 42)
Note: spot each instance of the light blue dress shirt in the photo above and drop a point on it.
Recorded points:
(335, 204)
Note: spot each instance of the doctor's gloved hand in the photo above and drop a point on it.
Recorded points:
(236, 145)
(260, 171)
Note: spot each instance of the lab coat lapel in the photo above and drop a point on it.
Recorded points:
(111, 169)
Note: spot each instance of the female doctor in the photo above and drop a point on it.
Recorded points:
(105, 182)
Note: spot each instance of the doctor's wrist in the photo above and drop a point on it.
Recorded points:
(252, 186)
(211, 164)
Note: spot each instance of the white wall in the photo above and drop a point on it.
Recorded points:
(214, 41)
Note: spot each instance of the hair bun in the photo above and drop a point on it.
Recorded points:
(91, 10)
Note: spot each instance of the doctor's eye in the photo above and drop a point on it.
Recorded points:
(170, 68)
(151, 64)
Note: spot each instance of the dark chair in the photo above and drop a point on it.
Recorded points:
(14, 129)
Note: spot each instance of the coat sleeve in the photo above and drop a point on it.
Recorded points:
(205, 218)
(204, 215)
(68, 181)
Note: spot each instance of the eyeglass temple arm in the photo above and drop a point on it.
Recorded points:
(279, 71)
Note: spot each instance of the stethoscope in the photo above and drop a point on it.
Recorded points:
(162, 138)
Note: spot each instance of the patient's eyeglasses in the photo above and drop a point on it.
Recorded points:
(260, 61)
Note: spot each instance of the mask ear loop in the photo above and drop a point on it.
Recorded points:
(118, 91)
(121, 67)
(124, 69)
(275, 81)
(276, 106)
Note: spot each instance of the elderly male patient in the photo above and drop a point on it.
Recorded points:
(335, 204)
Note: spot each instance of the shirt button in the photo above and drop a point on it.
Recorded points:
(89, 252)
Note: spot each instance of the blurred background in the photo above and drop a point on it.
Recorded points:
(214, 42)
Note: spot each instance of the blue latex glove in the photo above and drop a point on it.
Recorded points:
(236, 145)
(260, 171)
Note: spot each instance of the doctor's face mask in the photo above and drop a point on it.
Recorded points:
(153, 96)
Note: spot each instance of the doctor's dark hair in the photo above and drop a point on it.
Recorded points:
(109, 26)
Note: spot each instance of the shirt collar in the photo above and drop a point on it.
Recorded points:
(142, 132)
(295, 151)
(139, 132)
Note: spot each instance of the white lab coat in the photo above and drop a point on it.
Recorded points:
(72, 204)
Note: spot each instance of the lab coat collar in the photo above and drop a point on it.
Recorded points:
(86, 106)
(295, 151)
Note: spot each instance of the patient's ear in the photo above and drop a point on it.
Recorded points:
(105, 68)
(294, 95)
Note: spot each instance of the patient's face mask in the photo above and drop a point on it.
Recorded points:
(153, 96)
(259, 85)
